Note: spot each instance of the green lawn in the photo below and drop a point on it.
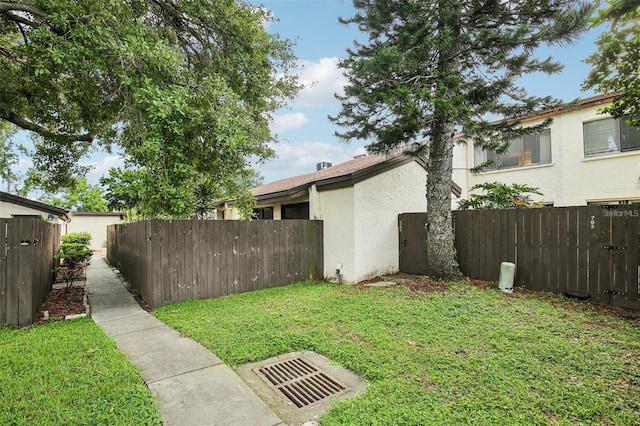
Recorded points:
(467, 355)
(69, 373)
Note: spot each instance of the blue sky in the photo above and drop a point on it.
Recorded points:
(306, 134)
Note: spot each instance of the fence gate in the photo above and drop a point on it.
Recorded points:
(413, 243)
(621, 255)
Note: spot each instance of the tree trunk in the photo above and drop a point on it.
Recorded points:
(441, 252)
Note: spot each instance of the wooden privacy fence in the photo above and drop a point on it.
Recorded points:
(172, 261)
(592, 250)
(27, 247)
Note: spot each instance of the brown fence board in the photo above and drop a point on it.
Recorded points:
(3, 270)
(583, 232)
(632, 262)
(27, 247)
(593, 250)
(186, 259)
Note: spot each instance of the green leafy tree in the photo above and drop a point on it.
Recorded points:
(8, 155)
(81, 197)
(499, 195)
(185, 89)
(430, 68)
(616, 63)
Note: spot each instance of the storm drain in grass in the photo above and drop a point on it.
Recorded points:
(299, 386)
(300, 381)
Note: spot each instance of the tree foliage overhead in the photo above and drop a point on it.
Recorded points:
(81, 197)
(185, 89)
(616, 63)
(430, 68)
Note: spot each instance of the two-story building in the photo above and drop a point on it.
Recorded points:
(583, 158)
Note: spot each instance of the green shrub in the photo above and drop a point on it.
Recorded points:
(75, 255)
(77, 237)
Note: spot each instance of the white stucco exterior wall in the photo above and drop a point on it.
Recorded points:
(9, 210)
(571, 179)
(95, 224)
(377, 203)
(336, 209)
(459, 173)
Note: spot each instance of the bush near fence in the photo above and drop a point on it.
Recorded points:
(592, 250)
(27, 249)
(171, 261)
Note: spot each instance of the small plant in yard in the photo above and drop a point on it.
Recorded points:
(74, 256)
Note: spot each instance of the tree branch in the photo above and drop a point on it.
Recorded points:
(20, 20)
(8, 6)
(43, 131)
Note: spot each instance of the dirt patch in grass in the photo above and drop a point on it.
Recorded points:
(414, 282)
(62, 302)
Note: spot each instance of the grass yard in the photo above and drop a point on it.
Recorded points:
(69, 373)
(463, 355)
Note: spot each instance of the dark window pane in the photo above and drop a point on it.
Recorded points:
(630, 137)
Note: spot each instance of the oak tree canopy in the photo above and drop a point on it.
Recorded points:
(184, 89)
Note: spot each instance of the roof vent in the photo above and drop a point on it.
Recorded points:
(359, 156)
(323, 165)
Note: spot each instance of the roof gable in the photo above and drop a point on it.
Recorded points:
(338, 176)
(36, 205)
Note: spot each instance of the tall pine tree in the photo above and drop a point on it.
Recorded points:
(431, 68)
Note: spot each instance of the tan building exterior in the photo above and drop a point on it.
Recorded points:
(359, 202)
(94, 223)
(15, 206)
(583, 158)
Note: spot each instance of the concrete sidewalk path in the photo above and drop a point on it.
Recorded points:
(192, 385)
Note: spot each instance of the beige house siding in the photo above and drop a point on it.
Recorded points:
(377, 203)
(95, 224)
(360, 220)
(570, 179)
(14, 206)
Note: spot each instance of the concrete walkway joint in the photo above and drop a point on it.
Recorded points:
(191, 384)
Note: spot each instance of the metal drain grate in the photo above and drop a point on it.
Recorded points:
(300, 381)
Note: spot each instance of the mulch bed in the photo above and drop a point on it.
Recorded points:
(60, 303)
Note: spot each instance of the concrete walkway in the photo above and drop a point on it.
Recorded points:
(192, 385)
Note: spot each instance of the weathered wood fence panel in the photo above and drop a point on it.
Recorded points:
(27, 247)
(590, 250)
(172, 261)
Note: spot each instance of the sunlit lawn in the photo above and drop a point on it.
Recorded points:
(466, 355)
(69, 373)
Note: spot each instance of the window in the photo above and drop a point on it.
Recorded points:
(263, 213)
(523, 151)
(608, 136)
(295, 211)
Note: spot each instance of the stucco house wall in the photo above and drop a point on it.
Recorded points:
(336, 209)
(359, 202)
(377, 203)
(570, 179)
(95, 224)
(15, 206)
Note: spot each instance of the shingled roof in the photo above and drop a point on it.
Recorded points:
(339, 176)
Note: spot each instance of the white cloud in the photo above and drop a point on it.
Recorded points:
(101, 168)
(302, 157)
(284, 122)
(322, 80)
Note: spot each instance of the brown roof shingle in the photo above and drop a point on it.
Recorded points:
(340, 175)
